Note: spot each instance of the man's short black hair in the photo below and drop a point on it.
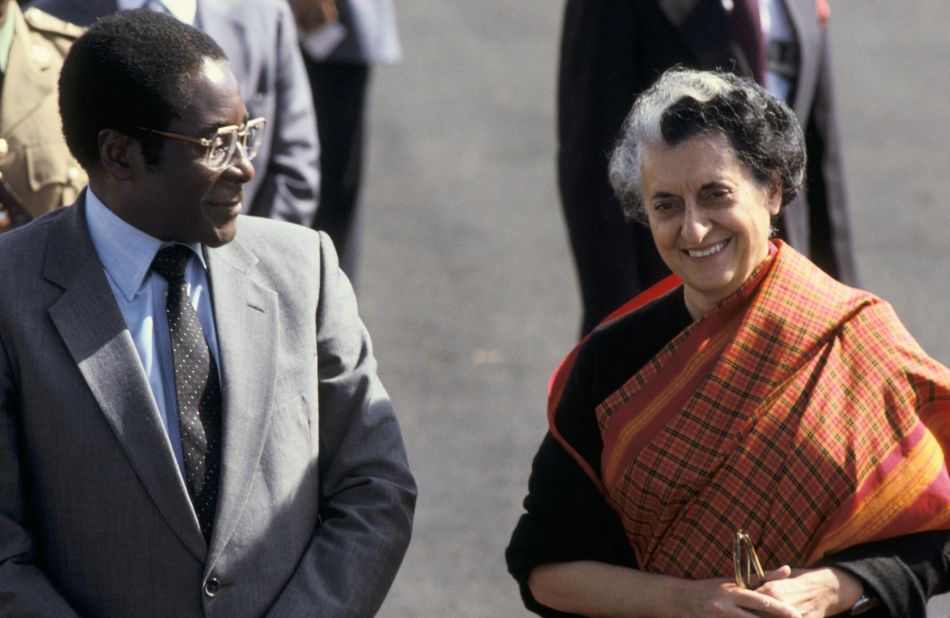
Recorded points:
(131, 69)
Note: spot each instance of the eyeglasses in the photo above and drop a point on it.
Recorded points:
(221, 148)
(749, 573)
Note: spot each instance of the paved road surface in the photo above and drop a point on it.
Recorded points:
(468, 285)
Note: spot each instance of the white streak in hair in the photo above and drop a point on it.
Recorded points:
(642, 128)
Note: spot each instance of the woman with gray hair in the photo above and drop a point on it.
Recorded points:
(748, 411)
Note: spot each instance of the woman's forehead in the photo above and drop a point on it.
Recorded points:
(679, 160)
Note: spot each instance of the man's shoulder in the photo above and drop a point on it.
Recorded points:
(281, 255)
(263, 229)
(81, 12)
(49, 30)
(40, 21)
(23, 247)
(278, 241)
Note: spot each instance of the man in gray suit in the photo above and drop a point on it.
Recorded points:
(206, 441)
(260, 39)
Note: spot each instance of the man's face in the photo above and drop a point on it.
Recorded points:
(182, 198)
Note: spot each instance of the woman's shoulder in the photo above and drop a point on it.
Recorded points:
(618, 349)
(658, 321)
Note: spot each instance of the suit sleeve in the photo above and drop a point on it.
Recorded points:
(24, 588)
(367, 491)
(290, 188)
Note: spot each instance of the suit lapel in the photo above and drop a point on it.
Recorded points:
(702, 24)
(246, 323)
(94, 331)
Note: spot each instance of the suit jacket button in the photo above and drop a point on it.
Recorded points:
(211, 587)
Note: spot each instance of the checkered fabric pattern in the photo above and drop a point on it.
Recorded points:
(562, 372)
(800, 411)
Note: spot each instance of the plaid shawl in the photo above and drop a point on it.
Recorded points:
(799, 410)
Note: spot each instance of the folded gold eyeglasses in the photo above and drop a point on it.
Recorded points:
(749, 573)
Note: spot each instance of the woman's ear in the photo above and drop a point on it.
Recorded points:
(774, 195)
(118, 153)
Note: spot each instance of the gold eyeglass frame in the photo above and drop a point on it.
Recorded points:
(240, 138)
(749, 573)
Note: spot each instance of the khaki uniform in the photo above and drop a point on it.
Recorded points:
(35, 164)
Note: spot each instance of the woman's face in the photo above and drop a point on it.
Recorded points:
(709, 217)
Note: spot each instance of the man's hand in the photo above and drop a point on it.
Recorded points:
(313, 14)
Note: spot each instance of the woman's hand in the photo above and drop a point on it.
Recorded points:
(722, 597)
(813, 592)
(605, 590)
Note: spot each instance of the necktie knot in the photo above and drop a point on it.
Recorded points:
(170, 262)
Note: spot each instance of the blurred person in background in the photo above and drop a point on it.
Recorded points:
(260, 39)
(612, 50)
(37, 173)
(341, 40)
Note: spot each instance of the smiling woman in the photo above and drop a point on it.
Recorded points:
(708, 175)
(756, 395)
(710, 218)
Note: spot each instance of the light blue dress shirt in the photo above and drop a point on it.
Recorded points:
(126, 254)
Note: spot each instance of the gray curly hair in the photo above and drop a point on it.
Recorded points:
(685, 103)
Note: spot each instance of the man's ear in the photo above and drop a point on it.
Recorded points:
(119, 154)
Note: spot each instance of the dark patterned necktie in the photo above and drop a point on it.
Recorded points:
(196, 387)
(746, 28)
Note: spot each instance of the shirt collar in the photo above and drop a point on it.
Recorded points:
(6, 35)
(125, 251)
(183, 10)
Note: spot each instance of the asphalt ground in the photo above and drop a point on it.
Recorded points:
(468, 286)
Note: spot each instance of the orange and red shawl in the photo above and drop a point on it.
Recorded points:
(798, 410)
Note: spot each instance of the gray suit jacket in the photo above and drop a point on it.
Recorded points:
(316, 497)
(260, 39)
